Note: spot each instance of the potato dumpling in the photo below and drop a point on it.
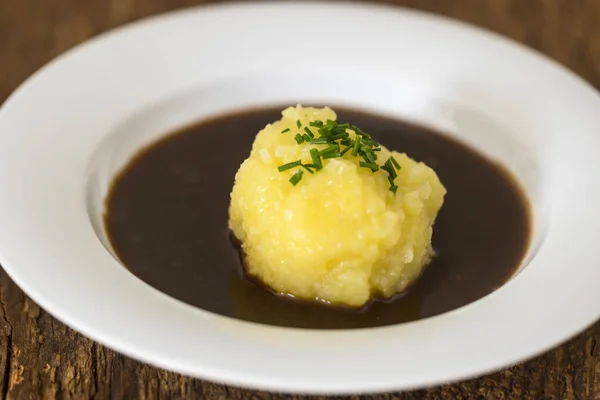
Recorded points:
(339, 234)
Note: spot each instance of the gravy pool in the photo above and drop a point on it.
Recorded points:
(167, 215)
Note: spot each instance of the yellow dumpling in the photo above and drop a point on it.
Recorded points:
(339, 235)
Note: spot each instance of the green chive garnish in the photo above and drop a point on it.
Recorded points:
(308, 167)
(356, 146)
(319, 141)
(359, 132)
(345, 150)
(328, 150)
(337, 136)
(371, 157)
(332, 155)
(296, 177)
(287, 166)
(372, 167)
(390, 168)
(316, 159)
(393, 173)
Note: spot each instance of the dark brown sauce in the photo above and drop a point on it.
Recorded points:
(168, 211)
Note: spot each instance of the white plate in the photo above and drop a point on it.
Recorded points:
(65, 132)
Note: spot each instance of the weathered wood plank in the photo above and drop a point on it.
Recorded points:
(41, 358)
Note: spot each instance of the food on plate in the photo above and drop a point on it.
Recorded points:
(324, 212)
(167, 219)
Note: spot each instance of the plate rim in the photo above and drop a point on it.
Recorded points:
(237, 381)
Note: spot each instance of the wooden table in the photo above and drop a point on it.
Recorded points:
(42, 358)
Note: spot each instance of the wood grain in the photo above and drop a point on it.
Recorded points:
(41, 358)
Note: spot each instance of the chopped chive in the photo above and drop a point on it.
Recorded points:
(324, 132)
(356, 146)
(359, 132)
(308, 167)
(371, 157)
(332, 155)
(287, 166)
(338, 136)
(345, 150)
(320, 140)
(372, 167)
(296, 177)
(356, 129)
(329, 150)
(316, 159)
(365, 148)
(390, 164)
(391, 171)
(367, 139)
